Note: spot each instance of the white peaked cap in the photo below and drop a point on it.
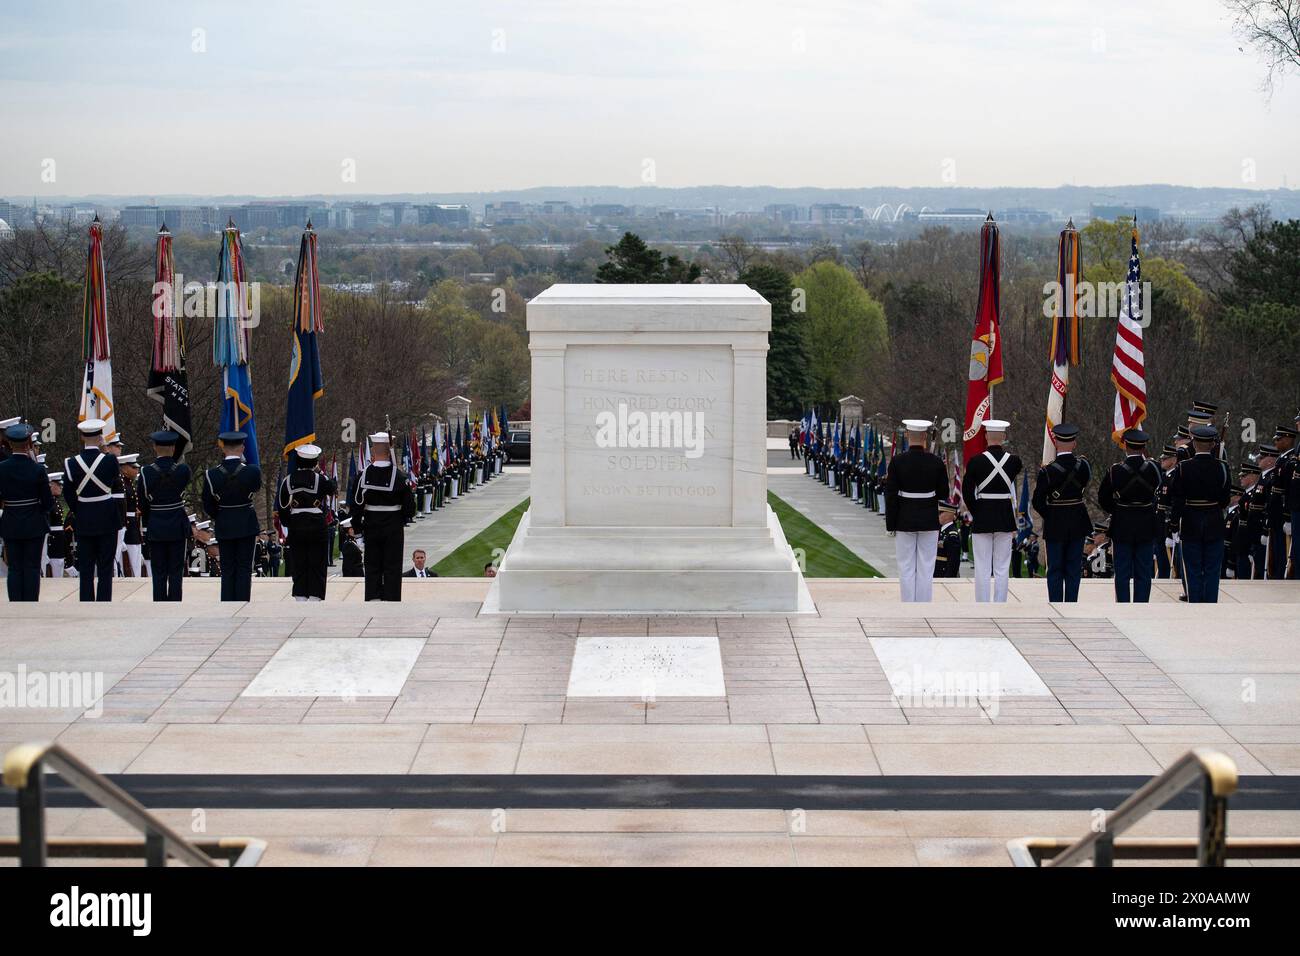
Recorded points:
(40, 459)
(308, 452)
(91, 426)
(130, 459)
(916, 424)
(6, 422)
(115, 440)
(995, 425)
(56, 476)
(345, 523)
(203, 525)
(381, 438)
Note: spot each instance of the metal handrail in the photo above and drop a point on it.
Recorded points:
(24, 768)
(1218, 776)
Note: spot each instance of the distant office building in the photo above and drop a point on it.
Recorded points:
(557, 207)
(188, 219)
(828, 213)
(786, 212)
(952, 217)
(605, 210)
(1144, 213)
(365, 215)
(141, 217)
(1023, 214)
(455, 216)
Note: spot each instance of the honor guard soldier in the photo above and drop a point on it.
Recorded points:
(1286, 489)
(947, 562)
(1234, 532)
(27, 502)
(1058, 498)
(1274, 539)
(988, 489)
(159, 492)
(381, 499)
(1164, 546)
(350, 550)
(1199, 494)
(228, 491)
(302, 500)
(914, 485)
(1202, 413)
(132, 556)
(92, 487)
(1183, 442)
(1130, 494)
(56, 545)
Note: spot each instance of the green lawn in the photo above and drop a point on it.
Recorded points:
(467, 561)
(824, 556)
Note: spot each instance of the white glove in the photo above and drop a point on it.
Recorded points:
(1169, 542)
(1177, 539)
(1263, 539)
(1286, 527)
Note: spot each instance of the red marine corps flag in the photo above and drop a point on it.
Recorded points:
(1128, 368)
(985, 346)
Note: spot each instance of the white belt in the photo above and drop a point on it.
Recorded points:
(305, 511)
(130, 514)
(171, 507)
(1001, 497)
(916, 494)
(382, 507)
(84, 500)
(20, 504)
(56, 527)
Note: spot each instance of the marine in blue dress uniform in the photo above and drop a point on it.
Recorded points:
(228, 491)
(26, 500)
(92, 487)
(160, 492)
(1058, 498)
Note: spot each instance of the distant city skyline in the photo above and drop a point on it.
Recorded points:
(208, 99)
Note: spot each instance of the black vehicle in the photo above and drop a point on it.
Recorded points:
(519, 446)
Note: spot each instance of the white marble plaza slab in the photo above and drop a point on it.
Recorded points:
(647, 667)
(983, 668)
(337, 667)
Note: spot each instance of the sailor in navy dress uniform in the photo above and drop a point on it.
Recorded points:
(56, 545)
(228, 491)
(989, 490)
(92, 487)
(26, 500)
(947, 562)
(915, 483)
(381, 499)
(159, 491)
(351, 551)
(1058, 498)
(1130, 494)
(1200, 492)
(301, 500)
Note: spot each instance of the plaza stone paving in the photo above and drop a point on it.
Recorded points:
(1129, 689)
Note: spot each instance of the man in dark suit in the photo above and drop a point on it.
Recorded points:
(92, 487)
(27, 502)
(1199, 493)
(947, 563)
(228, 491)
(1130, 494)
(1058, 498)
(989, 490)
(914, 485)
(160, 492)
(418, 570)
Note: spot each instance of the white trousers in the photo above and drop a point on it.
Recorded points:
(916, 551)
(992, 563)
(133, 559)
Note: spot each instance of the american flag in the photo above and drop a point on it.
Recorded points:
(1128, 369)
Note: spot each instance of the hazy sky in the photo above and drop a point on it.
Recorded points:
(273, 97)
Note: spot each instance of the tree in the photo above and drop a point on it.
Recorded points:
(844, 333)
(632, 261)
(1267, 268)
(1272, 27)
(788, 385)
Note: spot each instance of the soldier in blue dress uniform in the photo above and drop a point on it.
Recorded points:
(1199, 493)
(1130, 494)
(228, 491)
(92, 487)
(159, 491)
(27, 502)
(1058, 498)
